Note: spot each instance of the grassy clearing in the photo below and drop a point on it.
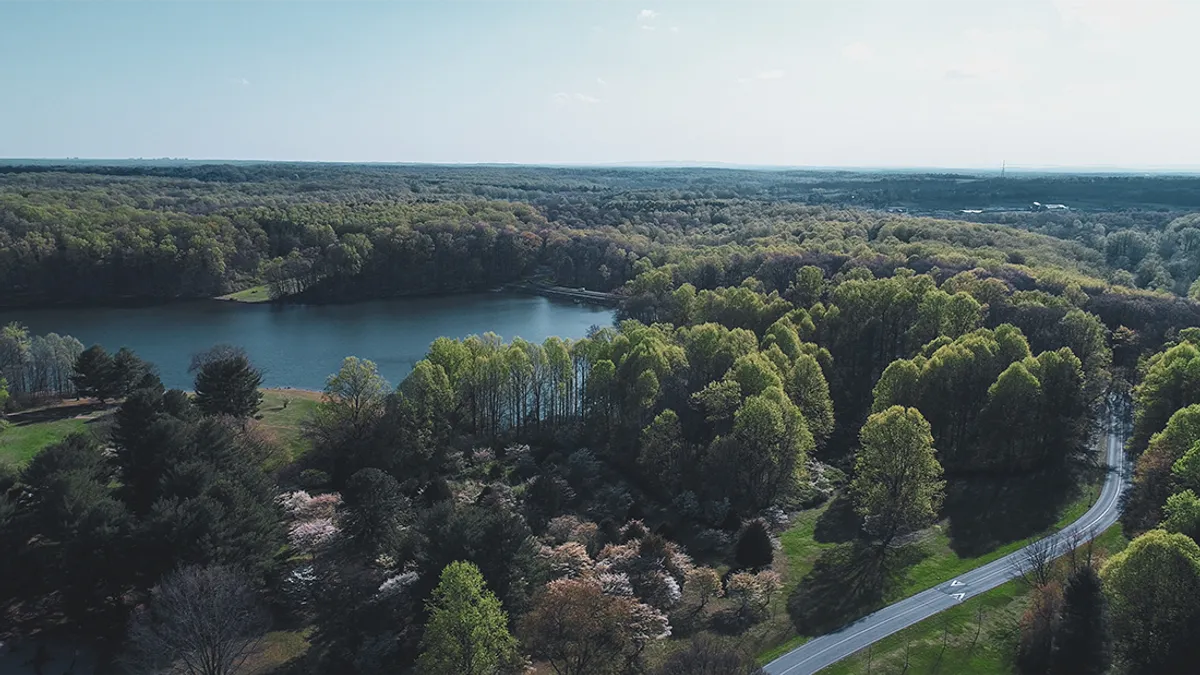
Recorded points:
(28, 432)
(285, 422)
(277, 648)
(977, 636)
(250, 295)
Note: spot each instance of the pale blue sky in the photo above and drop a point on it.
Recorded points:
(963, 83)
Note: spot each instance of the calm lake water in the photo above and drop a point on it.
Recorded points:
(300, 345)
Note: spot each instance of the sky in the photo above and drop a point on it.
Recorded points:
(865, 83)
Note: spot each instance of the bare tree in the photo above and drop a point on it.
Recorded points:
(1035, 564)
(200, 621)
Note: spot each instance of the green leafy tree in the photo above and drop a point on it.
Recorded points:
(3, 395)
(897, 484)
(227, 383)
(1171, 382)
(664, 458)
(1182, 514)
(1152, 588)
(764, 454)
(1014, 405)
(467, 632)
(806, 385)
(355, 399)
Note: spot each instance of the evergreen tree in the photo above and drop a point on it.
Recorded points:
(94, 373)
(1082, 645)
(754, 549)
(467, 632)
(227, 384)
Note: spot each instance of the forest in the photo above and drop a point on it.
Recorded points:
(798, 391)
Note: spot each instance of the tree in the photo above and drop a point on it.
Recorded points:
(200, 621)
(373, 510)
(754, 549)
(127, 372)
(94, 373)
(3, 395)
(467, 632)
(1082, 644)
(897, 484)
(582, 631)
(227, 383)
(663, 458)
(354, 398)
(1039, 624)
(1183, 514)
(1152, 588)
(704, 655)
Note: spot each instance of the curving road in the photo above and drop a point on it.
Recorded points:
(831, 648)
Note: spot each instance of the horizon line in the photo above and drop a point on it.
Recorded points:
(1107, 168)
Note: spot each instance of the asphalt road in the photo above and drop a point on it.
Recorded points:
(831, 648)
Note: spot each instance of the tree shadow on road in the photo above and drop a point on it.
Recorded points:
(988, 512)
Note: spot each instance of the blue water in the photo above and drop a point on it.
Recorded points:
(300, 345)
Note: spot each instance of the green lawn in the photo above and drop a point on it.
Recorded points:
(18, 444)
(285, 423)
(977, 636)
(252, 294)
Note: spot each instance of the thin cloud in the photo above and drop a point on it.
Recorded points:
(646, 17)
(1113, 16)
(858, 52)
(674, 29)
(240, 81)
(564, 98)
(764, 76)
(601, 81)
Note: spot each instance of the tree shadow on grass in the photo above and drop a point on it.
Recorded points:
(58, 412)
(839, 523)
(988, 512)
(846, 582)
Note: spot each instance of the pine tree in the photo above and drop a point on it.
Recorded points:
(754, 549)
(94, 373)
(1082, 645)
(228, 385)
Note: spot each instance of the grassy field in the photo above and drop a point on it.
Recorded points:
(31, 431)
(251, 295)
(285, 422)
(28, 432)
(977, 636)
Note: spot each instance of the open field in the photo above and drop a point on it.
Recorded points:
(30, 431)
(250, 295)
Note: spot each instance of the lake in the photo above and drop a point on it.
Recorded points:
(300, 345)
